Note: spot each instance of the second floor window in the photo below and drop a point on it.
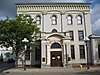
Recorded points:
(38, 20)
(69, 19)
(71, 35)
(79, 19)
(80, 35)
(54, 19)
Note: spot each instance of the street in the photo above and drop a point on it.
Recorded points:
(31, 73)
(9, 69)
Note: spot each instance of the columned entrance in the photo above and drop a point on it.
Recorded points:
(53, 49)
(56, 58)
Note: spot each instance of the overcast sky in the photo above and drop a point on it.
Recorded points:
(8, 8)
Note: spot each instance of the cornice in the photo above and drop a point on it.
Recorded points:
(52, 6)
(53, 3)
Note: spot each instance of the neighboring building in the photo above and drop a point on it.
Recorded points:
(94, 49)
(63, 28)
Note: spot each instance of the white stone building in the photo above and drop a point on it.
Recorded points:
(94, 45)
(63, 28)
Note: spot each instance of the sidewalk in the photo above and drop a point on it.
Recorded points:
(55, 70)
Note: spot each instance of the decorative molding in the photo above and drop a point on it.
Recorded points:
(56, 6)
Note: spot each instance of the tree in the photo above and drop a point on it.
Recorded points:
(13, 31)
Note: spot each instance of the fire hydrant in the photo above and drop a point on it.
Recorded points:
(81, 67)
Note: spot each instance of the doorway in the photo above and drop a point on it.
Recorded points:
(56, 58)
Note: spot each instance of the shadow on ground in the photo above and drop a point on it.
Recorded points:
(6, 66)
(88, 73)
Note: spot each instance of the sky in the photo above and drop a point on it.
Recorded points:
(8, 8)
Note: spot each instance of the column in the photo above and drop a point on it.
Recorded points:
(43, 20)
(43, 53)
(64, 55)
(42, 30)
(62, 15)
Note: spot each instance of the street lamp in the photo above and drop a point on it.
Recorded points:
(86, 39)
(25, 40)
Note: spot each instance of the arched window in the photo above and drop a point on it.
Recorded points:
(69, 19)
(38, 19)
(54, 30)
(99, 51)
(79, 19)
(55, 45)
(54, 19)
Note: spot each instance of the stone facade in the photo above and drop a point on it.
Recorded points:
(63, 28)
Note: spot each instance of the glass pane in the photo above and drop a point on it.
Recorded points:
(79, 18)
(53, 18)
(69, 22)
(69, 17)
(38, 18)
(53, 22)
(58, 57)
(53, 57)
(37, 22)
(55, 45)
(79, 22)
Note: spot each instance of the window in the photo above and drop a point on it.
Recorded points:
(79, 19)
(38, 20)
(55, 45)
(71, 35)
(82, 51)
(72, 52)
(99, 51)
(54, 30)
(27, 53)
(69, 19)
(54, 19)
(38, 51)
(81, 35)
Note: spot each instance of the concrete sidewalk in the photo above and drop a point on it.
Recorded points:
(55, 70)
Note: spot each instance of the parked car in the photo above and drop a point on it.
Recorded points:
(12, 58)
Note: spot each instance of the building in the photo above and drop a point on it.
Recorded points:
(63, 28)
(94, 45)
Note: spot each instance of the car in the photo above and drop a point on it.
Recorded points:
(10, 60)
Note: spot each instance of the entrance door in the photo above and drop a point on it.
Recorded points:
(56, 58)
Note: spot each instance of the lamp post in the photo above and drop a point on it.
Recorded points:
(25, 40)
(86, 39)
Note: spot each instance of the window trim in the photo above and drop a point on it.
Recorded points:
(55, 45)
(79, 19)
(72, 52)
(82, 54)
(72, 35)
(38, 20)
(81, 36)
(69, 20)
(54, 19)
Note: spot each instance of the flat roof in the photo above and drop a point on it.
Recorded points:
(49, 3)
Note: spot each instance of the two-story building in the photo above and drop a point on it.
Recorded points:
(63, 28)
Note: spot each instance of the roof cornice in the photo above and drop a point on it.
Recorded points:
(52, 3)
